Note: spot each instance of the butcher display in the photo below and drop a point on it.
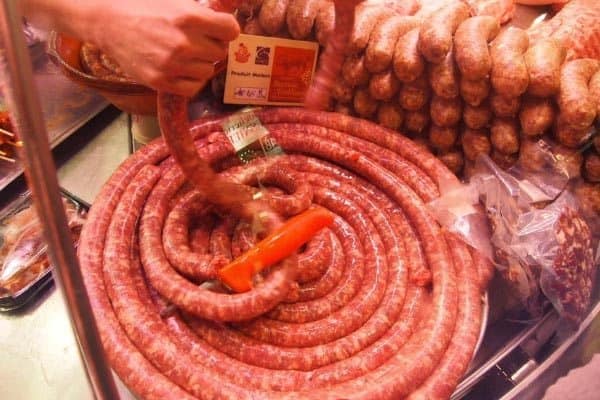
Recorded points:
(384, 302)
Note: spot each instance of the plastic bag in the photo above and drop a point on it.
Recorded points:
(540, 243)
(23, 248)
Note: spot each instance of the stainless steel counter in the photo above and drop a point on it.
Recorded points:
(89, 168)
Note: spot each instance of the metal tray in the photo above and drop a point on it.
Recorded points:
(66, 107)
(12, 302)
(519, 359)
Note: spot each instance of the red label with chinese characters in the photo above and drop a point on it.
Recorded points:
(291, 74)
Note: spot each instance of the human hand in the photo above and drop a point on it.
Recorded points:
(170, 46)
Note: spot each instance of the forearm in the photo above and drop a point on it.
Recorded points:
(168, 45)
(76, 18)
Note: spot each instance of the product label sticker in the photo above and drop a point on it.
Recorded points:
(269, 71)
(249, 137)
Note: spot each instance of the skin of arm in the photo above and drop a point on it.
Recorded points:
(541, 2)
(170, 45)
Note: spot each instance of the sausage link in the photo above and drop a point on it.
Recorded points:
(445, 112)
(444, 78)
(474, 92)
(505, 135)
(454, 160)
(354, 71)
(509, 75)
(408, 62)
(594, 88)
(272, 15)
(537, 116)
(443, 138)
(342, 91)
(390, 115)
(477, 117)
(249, 8)
(345, 109)
(300, 17)
(364, 104)
(319, 92)
(592, 168)
(503, 160)
(416, 121)
(435, 37)
(414, 95)
(474, 143)
(325, 22)
(382, 43)
(577, 106)
(544, 60)
(367, 16)
(383, 86)
(506, 107)
(571, 136)
(391, 179)
(253, 27)
(471, 46)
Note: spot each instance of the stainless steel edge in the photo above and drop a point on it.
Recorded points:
(475, 376)
(531, 379)
(40, 171)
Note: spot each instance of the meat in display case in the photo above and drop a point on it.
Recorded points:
(25, 269)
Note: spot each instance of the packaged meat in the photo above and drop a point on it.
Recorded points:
(25, 268)
(543, 245)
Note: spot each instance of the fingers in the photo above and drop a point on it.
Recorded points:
(199, 70)
(185, 87)
(208, 34)
(221, 26)
(185, 79)
(206, 22)
(202, 48)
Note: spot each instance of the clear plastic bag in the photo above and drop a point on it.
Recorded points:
(23, 249)
(541, 244)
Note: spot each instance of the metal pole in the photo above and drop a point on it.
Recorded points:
(40, 171)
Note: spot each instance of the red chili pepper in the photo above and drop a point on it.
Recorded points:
(275, 247)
